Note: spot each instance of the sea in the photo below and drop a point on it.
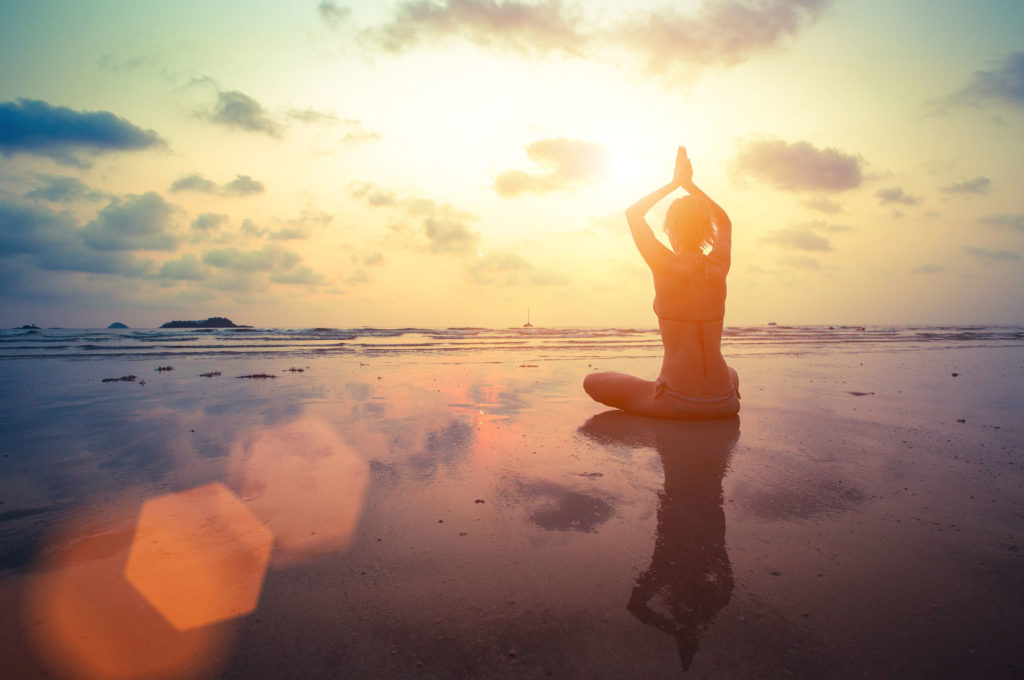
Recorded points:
(483, 343)
(449, 502)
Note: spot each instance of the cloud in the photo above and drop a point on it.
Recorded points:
(331, 13)
(504, 268)
(185, 268)
(541, 27)
(267, 259)
(356, 278)
(31, 229)
(1005, 221)
(720, 32)
(250, 228)
(208, 222)
(446, 232)
(799, 166)
(928, 269)
(800, 262)
(991, 255)
(136, 222)
(152, 62)
(302, 275)
(301, 227)
(799, 237)
(567, 163)
(35, 127)
(496, 262)
(978, 185)
(237, 110)
(61, 189)
(1001, 83)
(822, 204)
(896, 195)
(443, 229)
(53, 241)
(120, 65)
(194, 182)
(312, 116)
(354, 130)
(242, 185)
(373, 194)
(357, 131)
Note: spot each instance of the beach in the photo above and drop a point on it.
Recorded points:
(406, 504)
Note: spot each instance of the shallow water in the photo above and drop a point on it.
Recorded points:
(472, 344)
(474, 514)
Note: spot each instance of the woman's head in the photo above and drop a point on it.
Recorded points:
(688, 225)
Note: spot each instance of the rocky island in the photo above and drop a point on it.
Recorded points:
(212, 322)
(117, 324)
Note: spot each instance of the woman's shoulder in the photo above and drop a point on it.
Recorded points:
(693, 267)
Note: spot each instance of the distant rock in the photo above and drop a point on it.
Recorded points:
(123, 378)
(27, 327)
(117, 324)
(212, 322)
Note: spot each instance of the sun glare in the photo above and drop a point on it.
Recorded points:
(623, 161)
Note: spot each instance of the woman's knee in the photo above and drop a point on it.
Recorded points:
(594, 383)
(610, 387)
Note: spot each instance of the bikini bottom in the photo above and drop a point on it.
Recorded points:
(724, 405)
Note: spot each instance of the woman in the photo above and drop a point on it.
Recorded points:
(689, 300)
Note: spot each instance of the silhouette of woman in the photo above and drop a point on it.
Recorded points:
(690, 576)
(689, 301)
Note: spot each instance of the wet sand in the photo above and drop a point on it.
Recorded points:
(425, 518)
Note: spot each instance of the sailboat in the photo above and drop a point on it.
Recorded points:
(527, 324)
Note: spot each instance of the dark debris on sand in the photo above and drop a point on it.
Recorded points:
(123, 378)
(165, 368)
(211, 374)
(257, 376)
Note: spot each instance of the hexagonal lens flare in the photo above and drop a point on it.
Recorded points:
(305, 482)
(86, 621)
(199, 556)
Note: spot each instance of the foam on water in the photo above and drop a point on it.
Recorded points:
(554, 342)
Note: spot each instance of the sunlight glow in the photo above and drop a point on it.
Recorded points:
(624, 163)
(199, 556)
(305, 482)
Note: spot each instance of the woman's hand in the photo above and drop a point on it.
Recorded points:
(683, 175)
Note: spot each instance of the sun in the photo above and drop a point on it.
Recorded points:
(623, 159)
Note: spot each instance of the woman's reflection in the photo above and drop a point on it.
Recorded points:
(690, 576)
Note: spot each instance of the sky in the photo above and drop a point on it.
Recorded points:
(436, 163)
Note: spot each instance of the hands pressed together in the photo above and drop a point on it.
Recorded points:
(683, 174)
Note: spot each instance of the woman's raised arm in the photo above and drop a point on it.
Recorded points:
(722, 248)
(653, 250)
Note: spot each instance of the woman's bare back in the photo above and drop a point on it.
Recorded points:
(690, 290)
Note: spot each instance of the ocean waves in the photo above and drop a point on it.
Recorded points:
(52, 343)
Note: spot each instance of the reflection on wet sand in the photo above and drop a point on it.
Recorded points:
(199, 556)
(306, 484)
(558, 507)
(150, 595)
(690, 577)
(87, 621)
